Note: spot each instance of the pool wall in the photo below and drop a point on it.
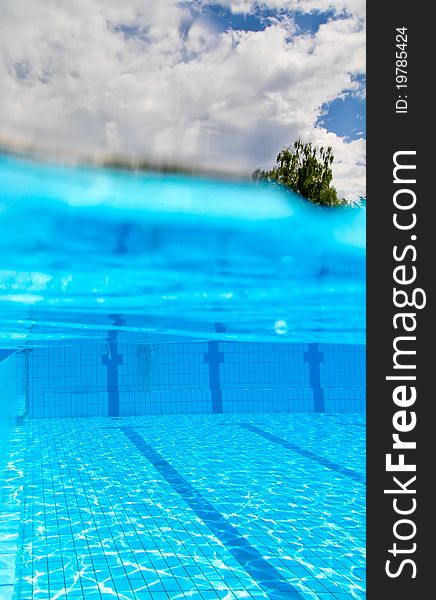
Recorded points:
(11, 402)
(124, 379)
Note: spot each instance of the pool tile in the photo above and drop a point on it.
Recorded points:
(99, 512)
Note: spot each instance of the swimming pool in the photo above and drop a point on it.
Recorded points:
(188, 360)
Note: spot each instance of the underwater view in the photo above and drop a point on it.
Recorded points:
(182, 388)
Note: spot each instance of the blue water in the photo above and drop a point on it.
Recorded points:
(232, 296)
(196, 507)
(172, 256)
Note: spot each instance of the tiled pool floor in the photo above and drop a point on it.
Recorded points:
(214, 506)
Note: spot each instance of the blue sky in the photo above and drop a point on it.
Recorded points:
(222, 84)
(226, 19)
(345, 117)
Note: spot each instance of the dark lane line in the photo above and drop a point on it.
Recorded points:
(267, 577)
(325, 462)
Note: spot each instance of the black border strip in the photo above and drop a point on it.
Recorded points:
(388, 132)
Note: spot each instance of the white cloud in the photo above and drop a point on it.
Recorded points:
(149, 79)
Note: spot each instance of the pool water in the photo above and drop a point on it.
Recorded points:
(203, 506)
(172, 256)
(185, 357)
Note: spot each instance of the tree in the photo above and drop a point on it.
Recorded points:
(306, 170)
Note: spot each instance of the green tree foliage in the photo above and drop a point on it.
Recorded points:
(306, 170)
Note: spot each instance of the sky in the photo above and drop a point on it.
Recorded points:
(223, 84)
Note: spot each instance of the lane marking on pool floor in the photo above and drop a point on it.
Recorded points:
(265, 574)
(325, 462)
